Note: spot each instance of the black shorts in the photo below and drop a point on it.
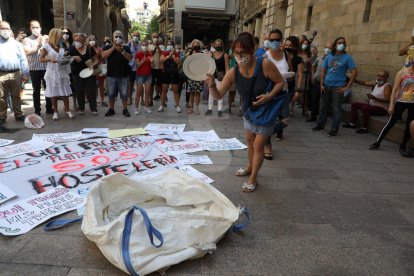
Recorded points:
(172, 78)
(156, 76)
(132, 76)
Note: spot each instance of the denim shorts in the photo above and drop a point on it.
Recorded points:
(256, 129)
(117, 85)
(143, 79)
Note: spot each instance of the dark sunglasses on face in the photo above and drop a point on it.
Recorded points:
(275, 39)
(65, 32)
(118, 36)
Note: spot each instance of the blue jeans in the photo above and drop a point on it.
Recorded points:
(326, 98)
(118, 84)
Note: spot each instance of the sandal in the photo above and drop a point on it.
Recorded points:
(268, 155)
(197, 110)
(242, 172)
(248, 188)
(190, 111)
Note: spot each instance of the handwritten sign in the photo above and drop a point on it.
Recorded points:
(95, 130)
(25, 147)
(23, 216)
(5, 142)
(224, 144)
(59, 137)
(165, 128)
(5, 193)
(187, 159)
(197, 174)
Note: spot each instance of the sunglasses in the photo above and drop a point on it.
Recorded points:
(118, 36)
(65, 32)
(275, 39)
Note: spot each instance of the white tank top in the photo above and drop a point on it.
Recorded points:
(379, 93)
(281, 65)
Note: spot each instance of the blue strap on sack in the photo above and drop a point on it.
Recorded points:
(60, 223)
(127, 233)
(240, 226)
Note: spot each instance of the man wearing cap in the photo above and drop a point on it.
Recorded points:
(118, 57)
(31, 45)
(13, 63)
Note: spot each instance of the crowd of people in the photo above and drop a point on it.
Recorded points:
(73, 66)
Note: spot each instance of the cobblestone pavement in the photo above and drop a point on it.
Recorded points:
(325, 206)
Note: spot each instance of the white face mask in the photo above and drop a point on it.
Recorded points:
(169, 47)
(155, 40)
(78, 45)
(92, 43)
(266, 43)
(119, 40)
(36, 31)
(5, 34)
(151, 47)
(304, 47)
(65, 36)
(144, 48)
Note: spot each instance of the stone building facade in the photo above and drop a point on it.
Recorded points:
(374, 30)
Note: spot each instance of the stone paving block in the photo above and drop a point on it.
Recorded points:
(10, 246)
(32, 269)
(62, 251)
(75, 271)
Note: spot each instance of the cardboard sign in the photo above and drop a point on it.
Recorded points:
(21, 217)
(5, 142)
(117, 133)
(25, 147)
(59, 137)
(224, 144)
(5, 193)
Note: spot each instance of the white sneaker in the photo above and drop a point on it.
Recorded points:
(55, 116)
(148, 110)
(160, 109)
(136, 112)
(70, 115)
(178, 109)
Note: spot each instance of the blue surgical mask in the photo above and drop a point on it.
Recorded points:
(327, 51)
(340, 47)
(274, 45)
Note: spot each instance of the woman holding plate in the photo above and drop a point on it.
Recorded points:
(252, 76)
(195, 87)
(84, 57)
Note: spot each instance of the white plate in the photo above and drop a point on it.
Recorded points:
(288, 75)
(86, 73)
(65, 60)
(197, 66)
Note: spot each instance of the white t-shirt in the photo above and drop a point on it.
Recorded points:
(281, 65)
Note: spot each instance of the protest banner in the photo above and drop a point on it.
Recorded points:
(95, 130)
(165, 128)
(5, 193)
(224, 144)
(183, 147)
(24, 215)
(59, 137)
(5, 142)
(78, 164)
(22, 148)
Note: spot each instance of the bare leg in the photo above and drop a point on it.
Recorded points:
(258, 156)
(101, 89)
(164, 93)
(176, 94)
(55, 104)
(138, 94)
(197, 100)
(250, 137)
(148, 94)
(66, 103)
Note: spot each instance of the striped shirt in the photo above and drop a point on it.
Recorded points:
(12, 56)
(32, 42)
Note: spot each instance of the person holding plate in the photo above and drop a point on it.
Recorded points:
(56, 76)
(83, 53)
(195, 87)
(252, 76)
